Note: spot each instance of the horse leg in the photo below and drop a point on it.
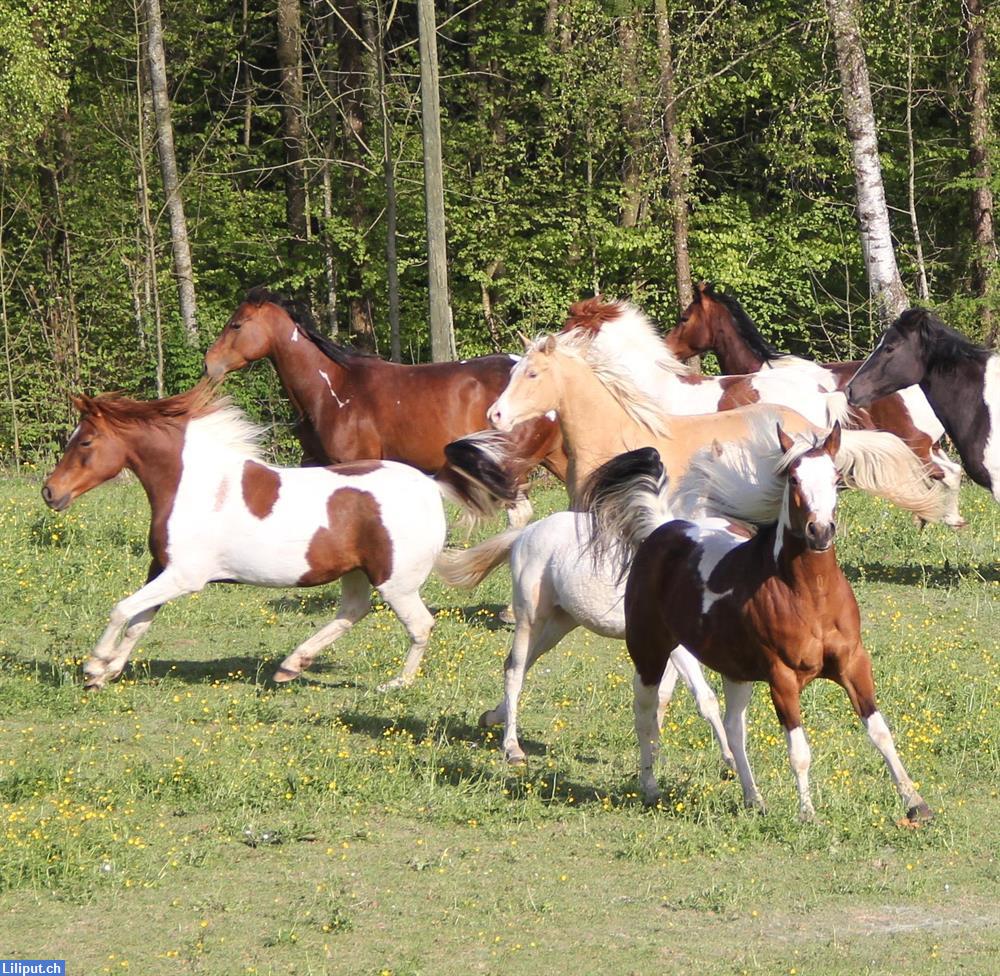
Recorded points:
(355, 602)
(418, 621)
(857, 680)
(133, 609)
(522, 656)
(644, 708)
(738, 695)
(519, 514)
(684, 663)
(785, 697)
(134, 630)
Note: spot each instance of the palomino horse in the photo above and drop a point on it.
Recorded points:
(557, 588)
(220, 513)
(960, 380)
(774, 608)
(717, 322)
(353, 406)
(603, 411)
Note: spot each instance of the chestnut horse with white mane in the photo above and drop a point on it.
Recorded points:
(353, 405)
(219, 513)
(774, 608)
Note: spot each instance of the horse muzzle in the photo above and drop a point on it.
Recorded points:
(58, 503)
(819, 538)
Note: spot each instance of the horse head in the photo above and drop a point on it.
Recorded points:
(532, 389)
(249, 333)
(810, 503)
(899, 358)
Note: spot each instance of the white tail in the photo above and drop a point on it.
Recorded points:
(466, 568)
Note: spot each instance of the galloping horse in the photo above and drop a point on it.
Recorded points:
(717, 322)
(557, 588)
(603, 411)
(218, 512)
(353, 406)
(960, 380)
(774, 608)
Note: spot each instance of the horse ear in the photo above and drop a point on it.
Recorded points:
(549, 346)
(79, 404)
(524, 339)
(784, 440)
(832, 443)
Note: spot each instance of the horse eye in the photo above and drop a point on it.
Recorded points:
(87, 442)
(532, 374)
(235, 326)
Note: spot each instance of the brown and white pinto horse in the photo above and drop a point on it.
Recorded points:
(716, 322)
(218, 512)
(354, 406)
(775, 608)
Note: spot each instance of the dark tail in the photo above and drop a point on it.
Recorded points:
(627, 498)
(480, 467)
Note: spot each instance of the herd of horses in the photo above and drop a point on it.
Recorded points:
(702, 520)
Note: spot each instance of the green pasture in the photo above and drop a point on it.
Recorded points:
(193, 818)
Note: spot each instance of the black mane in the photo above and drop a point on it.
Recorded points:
(749, 332)
(945, 346)
(299, 313)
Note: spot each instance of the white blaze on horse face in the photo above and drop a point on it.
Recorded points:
(818, 487)
(991, 397)
(340, 403)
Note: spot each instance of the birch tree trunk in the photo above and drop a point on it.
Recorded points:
(884, 282)
(168, 168)
(984, 258)
(631, 122)
(678, 156)
(442, 333)
(290, 65)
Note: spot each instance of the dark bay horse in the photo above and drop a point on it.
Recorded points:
(716, 322)
(775, 608)
(355, 406)
(218, 512)
(960, 380)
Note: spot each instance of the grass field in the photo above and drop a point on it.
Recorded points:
(193, 818)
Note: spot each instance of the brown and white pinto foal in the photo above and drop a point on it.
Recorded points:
(220, 513)
(774, 608)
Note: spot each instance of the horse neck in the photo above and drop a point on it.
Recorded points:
(301, 366)
(955, 394)
(805, 570)
(594, 425)
(153, 455)
(733, 354)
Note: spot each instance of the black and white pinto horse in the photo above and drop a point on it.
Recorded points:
(960, 379)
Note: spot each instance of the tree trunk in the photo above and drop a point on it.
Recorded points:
(353, 25)
(884, 282)
(631, 122)
(984, 257)
(388, 164)
(168, 168)
(678, 157)
(923, 290)
(442, 334)
(290, 65)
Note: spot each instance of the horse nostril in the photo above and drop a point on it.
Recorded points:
(46, 493)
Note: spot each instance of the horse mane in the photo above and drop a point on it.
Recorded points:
(947, 346)
(617, 376)
(299, 313)
(224, 422)
(592, 313)
(748, 332)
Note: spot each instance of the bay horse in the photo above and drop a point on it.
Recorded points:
(960, 379)
(354, 406)
(775, 608)
(219, 513)
(603, 410)
(557, 588)
(716, 322)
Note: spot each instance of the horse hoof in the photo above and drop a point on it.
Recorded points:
(485, 722)
(516, 759)
(392, 685)
(506, 616)
(283, 675)
(93, 684)
(920, 813)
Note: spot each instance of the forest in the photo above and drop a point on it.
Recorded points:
(159, 159)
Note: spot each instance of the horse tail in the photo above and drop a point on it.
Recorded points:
(627, 498)
(466, 568)
(479, 474)
(881, 464)
(838, 410)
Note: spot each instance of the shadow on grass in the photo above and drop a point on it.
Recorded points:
(944, 577)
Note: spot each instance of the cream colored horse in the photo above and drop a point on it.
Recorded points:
(604, 410)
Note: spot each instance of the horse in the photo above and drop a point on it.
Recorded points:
(354, 406)
(775, 608)
(219, 513)
(716, 322)
(960, 379)
(602, 411)
(557, 589)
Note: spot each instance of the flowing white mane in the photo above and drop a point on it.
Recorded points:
(227, 431)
